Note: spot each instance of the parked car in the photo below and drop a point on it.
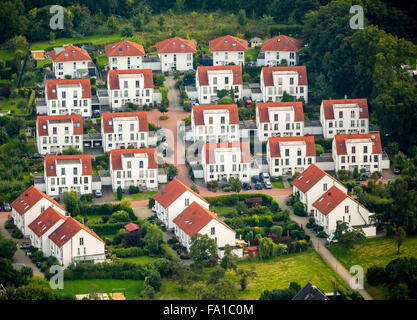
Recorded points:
(397, 170)
(98, 194)
(265, 176)
(330, 239)
(267, 184)
(6, 207)
(246, 186)
(25, 246)
(248, 103)
(164, 138)
(255, 179)
(258, 185)
(36, 156)
(56, 198)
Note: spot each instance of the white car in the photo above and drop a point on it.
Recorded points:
(330, 239)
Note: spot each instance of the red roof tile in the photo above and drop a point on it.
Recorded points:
(228, 43)
(198, 112)
(141, 115)
(340, 140)
(309, 177)
(172, 191)
(116, 157)
(269, 81)
(50, 164)
(131, 227)
(29, 198)
(124, 48)
(203, 78)
(175, 45)
(70, 53)
(46, 221)
(69, 229)
(52, 92)
(113, 77)
(328, 107)
(282, 43)
(330, 200)
(43, 121)
(275, 141)
(264, 114)
(211, 147)
(194, 218)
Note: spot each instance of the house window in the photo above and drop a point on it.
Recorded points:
(81, 241)
(275, 117)
(346, 209)
(287, 152)
(353, 149)
(187, 202)
(365, 149)
(325, 187)
(341, 114)
(213, 231)
(75, 171)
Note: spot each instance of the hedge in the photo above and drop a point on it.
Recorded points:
(107, 228)
(106, 271)
(105, 210)
(231, 200)
(129, 252)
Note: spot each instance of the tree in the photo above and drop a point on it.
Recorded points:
(127, 30)
(241, 17)
(94, 291)
(119, 216)
(72, 203)
(7, 248)
(179, 5)
(265, 248)
(229, 260)
(202, 249)
(286, 97)
(319, 149)
(153, 239)
(215, 275)
(125, 204)
(3, 136)
(154, 280)
(71, 150)
(399, 237)
(244, 275)
(348, 237)
(225, 100)
(281, 294)
(119, 194)
(235, 184)
(161, 21)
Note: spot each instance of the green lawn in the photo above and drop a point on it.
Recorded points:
(139, 260)
(7, 54)
(143, 195)
(278, 184)
(132, 287)
(102, 61)
(252, 54)
(11, 104)
(221, 211)
(42, 63)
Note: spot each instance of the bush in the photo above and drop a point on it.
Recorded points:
(129, 252)
(133, 189)
(17, 234)
(87, 197)
(108, 228)
(151, 203)
(322, 234)
(154, 280)
(299, 209)
(163, 117)
(375, 275)
(119, 216)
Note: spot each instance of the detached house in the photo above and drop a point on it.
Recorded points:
(277, 80)
(287, 155)
(70, 61)
(209, 80)
(122, 129)
(130, 86)
(357, 150)
(134, 167)
(312, 183)
(176, 54)
(279, 119)
(215, 123)
(56, 133)
(173, 199)
(227, 50)
(125, 55)
(29, 205)
(344, 116)
(222, 161)
(68, 96)
(68, 173)
(277, 49)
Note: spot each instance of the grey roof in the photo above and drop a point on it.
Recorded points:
(96, 178)
(38, 178)
(245, 124)
(104, 173)
(312, 123)
(310, 292)
(325, 157)
(92, 136)
(151, 59)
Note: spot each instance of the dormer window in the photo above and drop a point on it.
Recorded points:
(110, 122)
(233, 44)
(182, 46)
(173, 43)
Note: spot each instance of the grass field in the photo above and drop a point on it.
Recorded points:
(278, 184)
(12, 105)
(139, 260)
(143, 195)
(7, 54)
(42, 63)
(252, 54)
(221, 211)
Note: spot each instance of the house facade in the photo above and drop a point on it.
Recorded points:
(176, 54)
(287, 155)
(277, 80)
(122, 129)
(56, 133)
(125, 55)
(70, 61)
(227, 50)
(280, 48)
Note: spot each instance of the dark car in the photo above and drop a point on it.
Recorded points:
(7, 207)
(397, 170)
(246, 186)
(36, 156)
(56, 198)
(255, 179)
(164, 138)
(258, 185)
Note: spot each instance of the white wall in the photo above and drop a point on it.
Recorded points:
(42, 243)
(273, 58)
(223, 58)
(55, 143)
(282, 82)
(125, 62)
(176, 61)
(62, 69)
(56, 186)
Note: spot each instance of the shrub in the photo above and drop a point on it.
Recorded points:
(151, 203)
(276, 230)
(299, 209)
(133, 189)
(129, 252)
(154, 280)
(163, 117)
(375, 275)
(321, 234)
(17, 234)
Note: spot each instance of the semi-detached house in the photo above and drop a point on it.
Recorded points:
(125, 55)
(228, 49)
(70, 61)
(176, 54)
(278, 49)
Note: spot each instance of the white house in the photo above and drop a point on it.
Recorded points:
(198, 219)
(287, 155)
(125, 55)
(176, 54)
(276, 80)
(279, 119)
(56, 133)
(312, 183)
(68, 96)
(357, 150)
(173, 199)
(280, 48)
(215, 123)
(222, 161)
(74, 242)
(209, 80)
(227, 50)
(335, 205)
(344, 116)
(134, 167)
(29, 205)
(68, 173)
(70, 61)
(130, 86)
(122, 129)
(40, 229)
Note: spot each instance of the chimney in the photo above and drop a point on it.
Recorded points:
(345, 96)
(330, 98)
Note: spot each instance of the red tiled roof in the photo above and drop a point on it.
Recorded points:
(29, 198)
(124, 48)
(198, 112)
(172, 191)
(329, 200)
(116, 157)
(69, 229)
(51, 87)
(70, 53)
(269, 81)
(282, 43)
(175, 45)
(264, 114)
(113, 77)
(131, 227)
(141, 115)
(194, 218)
(46, 221)
(203, 78)
(328, 107)
(211, 147)
(309, 177)
(50, 166)
(275, 150)
(43, 121)
(228, 43)
(340, 140)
